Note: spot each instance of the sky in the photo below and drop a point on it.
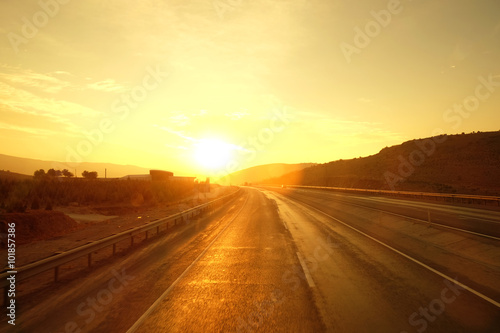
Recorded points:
(206, 87)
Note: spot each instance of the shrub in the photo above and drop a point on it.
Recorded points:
(35, 204)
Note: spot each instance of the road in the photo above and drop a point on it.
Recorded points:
(473, 220)
(284, 261)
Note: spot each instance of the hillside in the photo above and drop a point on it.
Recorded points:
(261, 172)
(27, 166)
(7, 175)
(466, 163)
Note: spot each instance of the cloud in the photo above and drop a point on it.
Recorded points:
(24, 101)
(30, 79)
(237, 115)
(108, 85)
(180, 120)
(25, 129)
(46, 116)
(177, 133)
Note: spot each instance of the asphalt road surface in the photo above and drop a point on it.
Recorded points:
(272, 262)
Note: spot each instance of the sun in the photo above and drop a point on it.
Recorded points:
(212, 153)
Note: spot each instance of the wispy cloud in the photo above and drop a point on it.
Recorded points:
(237, 115)
(26, 129)
(24, 101)
(46, 116)
(29, 79)
(177, 133)
(108, 85)
(180, 120)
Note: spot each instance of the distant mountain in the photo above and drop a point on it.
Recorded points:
(27, 166)
(261, 172)
(466, 163)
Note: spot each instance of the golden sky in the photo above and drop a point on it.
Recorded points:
(204, 86)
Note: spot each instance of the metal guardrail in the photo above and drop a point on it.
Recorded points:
(453, 197)
(53, 262)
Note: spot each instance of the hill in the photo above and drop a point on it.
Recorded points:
(466, 163)
(27, 166)
(7, 175)
(261, 172)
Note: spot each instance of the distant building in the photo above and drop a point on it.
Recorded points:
(182, 179)
(137, 177)
(160, 176)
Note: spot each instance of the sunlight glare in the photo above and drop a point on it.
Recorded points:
(212, 153)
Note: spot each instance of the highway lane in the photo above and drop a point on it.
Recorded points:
(249, 280)
(363, 286)
(445, 249)
(473, 219)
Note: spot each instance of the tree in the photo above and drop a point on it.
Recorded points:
(51, 173)
(39, 174)
(89, 175)
(66, 173)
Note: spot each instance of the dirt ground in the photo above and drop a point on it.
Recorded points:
(68, 227)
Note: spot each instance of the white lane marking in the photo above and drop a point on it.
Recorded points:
(139, 321)
(477, 293)
(439, 225)
(488, 215)
(306, 271)
(462, 217)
